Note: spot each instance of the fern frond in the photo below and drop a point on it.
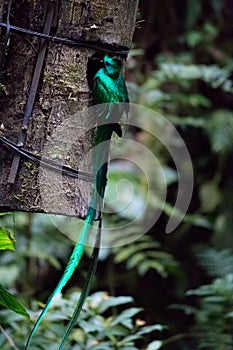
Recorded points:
(144, 255)
(213, 318)
(216, 263)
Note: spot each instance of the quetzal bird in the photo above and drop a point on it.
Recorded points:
(110, 94)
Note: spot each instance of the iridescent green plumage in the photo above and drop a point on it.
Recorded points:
(109, 91)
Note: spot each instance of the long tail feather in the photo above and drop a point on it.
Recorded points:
(100, 167)
(86, 288)
(71, 266)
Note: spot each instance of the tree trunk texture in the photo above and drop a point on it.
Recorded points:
(64, 89)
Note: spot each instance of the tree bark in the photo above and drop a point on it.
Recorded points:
(63, 90)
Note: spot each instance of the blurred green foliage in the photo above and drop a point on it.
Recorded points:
(98, 329)
(182, 67)
(213, 324)
(7, 300)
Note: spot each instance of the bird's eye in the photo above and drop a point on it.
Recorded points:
(107, 64)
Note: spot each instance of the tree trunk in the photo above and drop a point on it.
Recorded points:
(63, 90)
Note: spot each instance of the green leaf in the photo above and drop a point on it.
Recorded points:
(90, 327)
(121, 330)
(155, 345)
(112, 302)
(216, 263)
(130, 338)
(6, 239)
(126, 314)
(142, 244)
(149, 329)
(10, 302)
(146, 265)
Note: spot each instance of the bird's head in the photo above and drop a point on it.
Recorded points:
(112, 66)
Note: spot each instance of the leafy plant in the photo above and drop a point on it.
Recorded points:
(6, 239)
(217, 263)
(144, 255)
(213, 319)
(100, 327)
(213, 326)
(7, 299)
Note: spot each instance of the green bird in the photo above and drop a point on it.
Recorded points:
(109, 95)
